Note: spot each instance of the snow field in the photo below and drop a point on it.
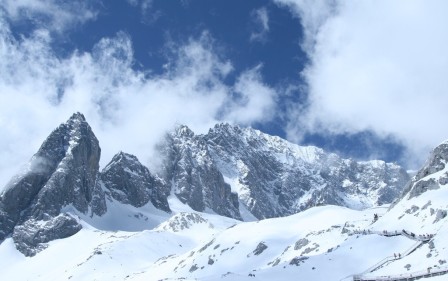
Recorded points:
(321, 243)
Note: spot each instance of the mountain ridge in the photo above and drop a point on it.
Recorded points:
(134, 236)
(251, 159)
(231, 171)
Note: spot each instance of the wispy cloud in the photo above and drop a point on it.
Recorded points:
(148, 13)
(378, 66)
(53, 15)
(252, 99)
(260, 18)
(129, 110)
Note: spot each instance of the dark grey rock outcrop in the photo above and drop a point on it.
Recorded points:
(32, 236)
(195, 177)
(131, 183)
(64, 172)
(64, 175)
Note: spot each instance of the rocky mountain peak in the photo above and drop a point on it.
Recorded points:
(195, 179)
(236, 172)
(77, 117)
(272, 176)
(432, 175)
(71, 146)
(63, 172)
(225, 129)
(132, 183)
(123, 159)
(235, 137)
(183, 131)
(436, 161)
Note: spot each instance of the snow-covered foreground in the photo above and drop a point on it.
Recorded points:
(322, 243)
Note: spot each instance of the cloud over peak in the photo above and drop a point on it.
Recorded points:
(133, 108)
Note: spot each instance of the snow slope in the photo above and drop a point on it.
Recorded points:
(322, 243)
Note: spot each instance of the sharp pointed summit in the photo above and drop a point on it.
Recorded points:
(235, 172)
(131, 183)
(63, 172)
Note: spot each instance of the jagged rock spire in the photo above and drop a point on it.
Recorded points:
(63, 172)
(131, 183)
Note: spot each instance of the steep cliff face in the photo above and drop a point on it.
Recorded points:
(195, 178)
(63, 172)
(64, 175)
(432, 175)
(131, 183)
(273, 177)
(230, 168)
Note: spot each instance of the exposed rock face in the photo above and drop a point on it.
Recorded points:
(75, 179)
(32, 236)
(272, 176)
(183, 221)
(277, 178)
(63, 172)
(224, 171)
(260, 248)
(196, 179)
(131, 183)
(425, 178)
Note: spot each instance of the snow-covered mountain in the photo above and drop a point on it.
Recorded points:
(64, 175)
(271, 176)
(129, 182)
(126, 223)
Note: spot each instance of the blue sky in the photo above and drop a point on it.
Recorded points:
(363, 79)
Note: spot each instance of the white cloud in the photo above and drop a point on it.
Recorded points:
(313, 14)
(52, 14)
(260, 18)
(148, 13)
(376, 65)
(254, 100)
(128, 110)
